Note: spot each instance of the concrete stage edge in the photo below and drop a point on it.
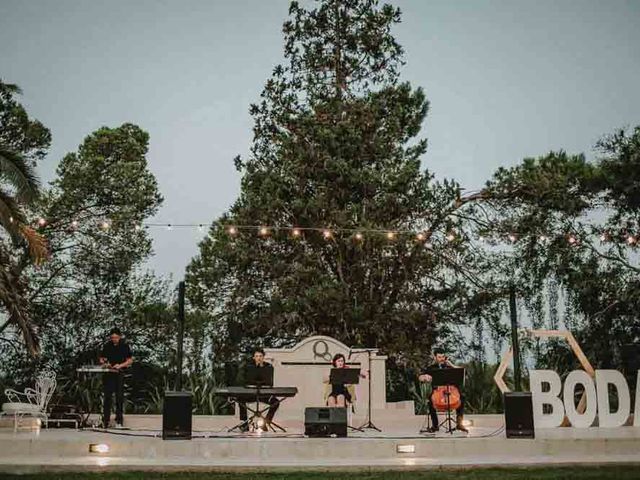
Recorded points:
(215, 450)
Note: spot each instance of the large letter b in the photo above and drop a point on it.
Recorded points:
(551, 397)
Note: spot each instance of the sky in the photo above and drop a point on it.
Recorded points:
(506, 79)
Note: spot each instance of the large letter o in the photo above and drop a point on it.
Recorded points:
(586, 419)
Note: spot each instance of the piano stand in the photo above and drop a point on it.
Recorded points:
(251, 397)
(257, 413)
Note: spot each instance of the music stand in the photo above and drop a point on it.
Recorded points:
(442, 377)
(259, 376)
(368, 424)
(344, 376)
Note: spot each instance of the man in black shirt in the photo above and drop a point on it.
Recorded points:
(116, 355)
(258, 362)
(441, 361)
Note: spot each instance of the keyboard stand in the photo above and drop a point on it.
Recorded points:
(258, 412)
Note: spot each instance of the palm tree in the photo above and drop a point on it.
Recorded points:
(19, 189)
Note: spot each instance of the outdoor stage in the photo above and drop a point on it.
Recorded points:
(142, 448)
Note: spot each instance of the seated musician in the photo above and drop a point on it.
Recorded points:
(339, 395)
(440, 360)
(259, 362)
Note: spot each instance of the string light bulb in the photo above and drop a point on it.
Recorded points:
(295, 232)
(232, 230)
(512, 237)
(420, 237)
(327, 234)
(264, 231)
(137, 227)
(358, 236)
(451, 236)
(631, 240)
(42, 222)
(105, 225)
(543, 238)
(572, 239)
(74, 224)
(391, 235)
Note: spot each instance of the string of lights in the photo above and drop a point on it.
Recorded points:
(358, 234)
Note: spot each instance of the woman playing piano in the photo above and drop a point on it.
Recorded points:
(339, 395)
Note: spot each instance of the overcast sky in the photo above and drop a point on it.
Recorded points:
(506, 79)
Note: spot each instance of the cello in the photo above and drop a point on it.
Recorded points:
(446, 397)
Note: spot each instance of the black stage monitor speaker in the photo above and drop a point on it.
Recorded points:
(325, 421)
(518, 415)
(176, 416)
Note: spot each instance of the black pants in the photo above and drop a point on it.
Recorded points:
(434, 414)
(273, 408)
(113, 383)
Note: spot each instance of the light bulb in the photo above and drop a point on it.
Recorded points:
(327, 234)
(420, 237)
(264, 231)
(359, 236)
(232, 230)
(295, 232)
(391, 235)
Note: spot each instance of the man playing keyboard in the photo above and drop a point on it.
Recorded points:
(258, 362)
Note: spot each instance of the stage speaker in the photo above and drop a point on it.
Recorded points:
(176, 416)
(325, 421)
(518, 415)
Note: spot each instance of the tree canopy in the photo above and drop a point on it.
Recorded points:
(336, 144)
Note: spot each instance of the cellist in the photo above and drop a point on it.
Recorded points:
(440, 360)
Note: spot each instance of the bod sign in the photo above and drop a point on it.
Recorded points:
(562, 401)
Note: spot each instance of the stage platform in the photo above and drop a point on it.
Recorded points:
(396, 447)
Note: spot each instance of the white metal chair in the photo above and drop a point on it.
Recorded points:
(31, 402)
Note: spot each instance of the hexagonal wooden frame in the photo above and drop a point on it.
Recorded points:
(498, 378)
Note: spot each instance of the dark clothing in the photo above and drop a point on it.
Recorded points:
(272, 401)
(113, 383)
(273, 407)
(340, 389)
(115, 353)
(432, 411)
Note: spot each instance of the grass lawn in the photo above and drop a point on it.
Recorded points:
(554, 473)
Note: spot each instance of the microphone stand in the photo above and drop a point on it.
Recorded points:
(369, 424)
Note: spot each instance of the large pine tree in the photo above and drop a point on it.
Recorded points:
(336, 146)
